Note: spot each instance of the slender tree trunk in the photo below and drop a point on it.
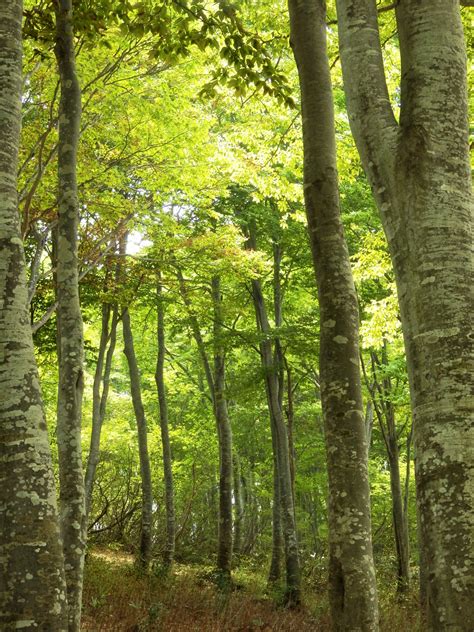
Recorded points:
(250, 517)
(352, 584)
(400, 525)
(381, 392)
(290, 417)
(390, 433)
(100, 392)
(420, 175)
(238, 505)
(369, 422)
(224, 431)
(279, 442)
(168, 556)
(142, 431)
(311, 508)
(216, 385)
(69, 320)
(32, 584)
(274, 573)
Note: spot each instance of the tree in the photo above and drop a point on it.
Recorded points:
(165, 436)
(69, 319)
(352, 585)
(32, 584)
(382, 391)
(418, 169)
(146, 524)
(215, 378)
(224, 433)
(283, 498)
(100, 391)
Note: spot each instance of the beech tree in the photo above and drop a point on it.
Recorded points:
(418, 168)
(32, 585)
(187, 158)
(352, 585)
(69, 319)
(215, 379)
(164, 426)
(284, 521)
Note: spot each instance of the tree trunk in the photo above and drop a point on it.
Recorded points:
(279, 442)
(168, 556)
(291, 418)
(216, 385)
(353, 594)
(69, 320)
(274, 573)
(420, 176)
(381, 392)
(238, 505)
(400, 524)
(32, 584)
(142, 431)
(100, 396)
(369, 422)
(224, 552)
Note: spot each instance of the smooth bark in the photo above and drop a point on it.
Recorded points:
(69, 320)
(168, 555)
(215, 378)
(420, 174)
(238, 506)
(142, 432)
(224, 431)
(290, 415)
(352, 584)
(100, 392)
(32, 583)
(381, 390)
(279, 442)
(274, 572)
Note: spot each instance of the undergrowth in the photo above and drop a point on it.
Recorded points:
(118, 598)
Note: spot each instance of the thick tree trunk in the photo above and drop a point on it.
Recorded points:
(353, 594)
(32, 584)
(168, 556)
(69, 320)
(419, 172)
(142, 431)
(100, 392)
(224, 431)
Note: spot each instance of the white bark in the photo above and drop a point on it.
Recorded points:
(352, 584)
(419, 172)
(32, 585)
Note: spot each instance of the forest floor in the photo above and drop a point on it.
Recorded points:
(119, 599)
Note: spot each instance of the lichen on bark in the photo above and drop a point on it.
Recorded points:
(32, 586)
(420, 175)
(352, 584)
